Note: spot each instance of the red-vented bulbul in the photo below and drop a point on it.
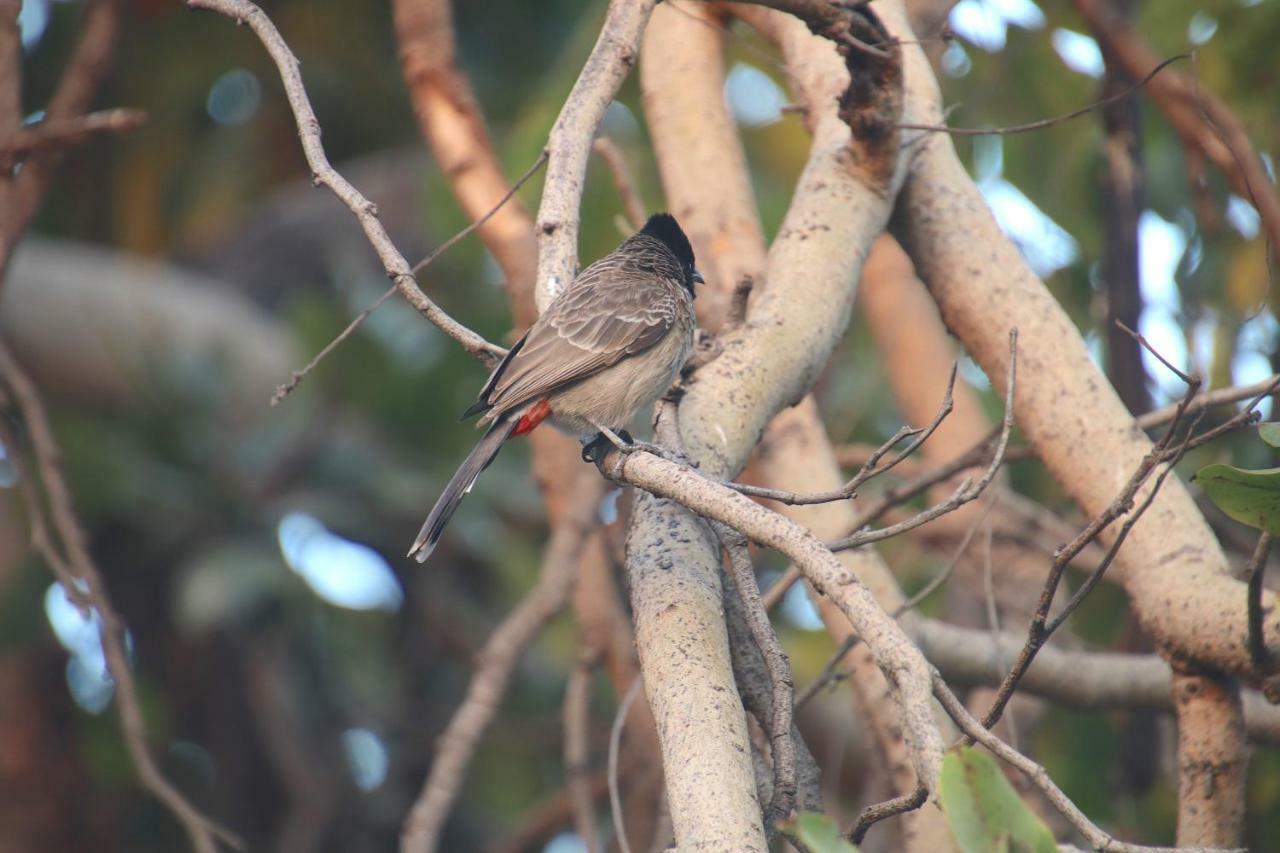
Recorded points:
(607, 346)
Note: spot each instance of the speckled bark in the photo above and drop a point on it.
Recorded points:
(1211, 758)
(569, 144)
(1171, 566)
(674, 572)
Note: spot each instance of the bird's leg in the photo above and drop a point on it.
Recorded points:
(622, 440)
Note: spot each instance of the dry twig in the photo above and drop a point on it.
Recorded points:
(1048, 122)
(782, 747)
(297, 376)
(456, 745)
(62, 542)
(1069, 810)
(323, 174)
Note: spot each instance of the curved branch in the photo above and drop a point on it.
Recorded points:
(457, 744)
(323, 173)
(569, 144)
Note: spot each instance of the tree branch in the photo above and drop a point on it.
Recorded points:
(457, 744)
(63, 543)
(569, 144)
(54, 134)
(1092, 833)
(1203, 121)
(323, 173)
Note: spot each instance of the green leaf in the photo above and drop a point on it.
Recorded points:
(1270, 433)
(1250, 497)
(816, 833)
(984, 811)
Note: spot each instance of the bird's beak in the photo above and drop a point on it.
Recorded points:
(697, 278)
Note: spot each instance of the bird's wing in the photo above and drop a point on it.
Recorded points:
(611, 311)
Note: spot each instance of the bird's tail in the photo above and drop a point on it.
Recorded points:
(461, 482)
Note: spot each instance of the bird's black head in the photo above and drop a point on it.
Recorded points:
(664, 228)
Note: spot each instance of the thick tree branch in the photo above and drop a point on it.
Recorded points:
(1212, 758)
(79, 83)
(895, 655)
(1173, 568)
(779, 726)
(569, 144)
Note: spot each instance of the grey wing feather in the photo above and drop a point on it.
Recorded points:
(609, 313)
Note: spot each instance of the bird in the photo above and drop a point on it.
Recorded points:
(608, 345)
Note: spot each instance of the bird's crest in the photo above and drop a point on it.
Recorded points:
(663, 227)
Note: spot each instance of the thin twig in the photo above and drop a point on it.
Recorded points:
(615, 744)
(830, 673)
(870, 469)
(1259, 654)
(1208, 400)
(782, 748)
(1146, 344)
(873, 814)
(967, 491)
(69, 556)
(297, 376)
(20, 196)
(457, 744)
(939, 579)
(613, 157)
(1040, 778)
(1164, 451)
(577, 744)
(62, 133)
(1047, 122)
(323, 173)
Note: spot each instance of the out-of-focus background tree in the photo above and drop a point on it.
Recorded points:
(294, 668)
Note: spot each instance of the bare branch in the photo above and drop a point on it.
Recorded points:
(1212, 757)
(782, 747)
(323, 173)
(896, 656)
(569, 143)
(1203, 121)
(613, 157)
(21, 194)
(457, 744)
(69, 556)
(1041, 627)
(870, 468)
(965, 492)
(615, 741)
(1047, 122)
(1209, 400)
(1069, 810)
(577, 745)
(53, 134)
(297, 376)
(1256, 573)
(873, 814)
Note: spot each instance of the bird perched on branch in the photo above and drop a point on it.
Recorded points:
(606, 347)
